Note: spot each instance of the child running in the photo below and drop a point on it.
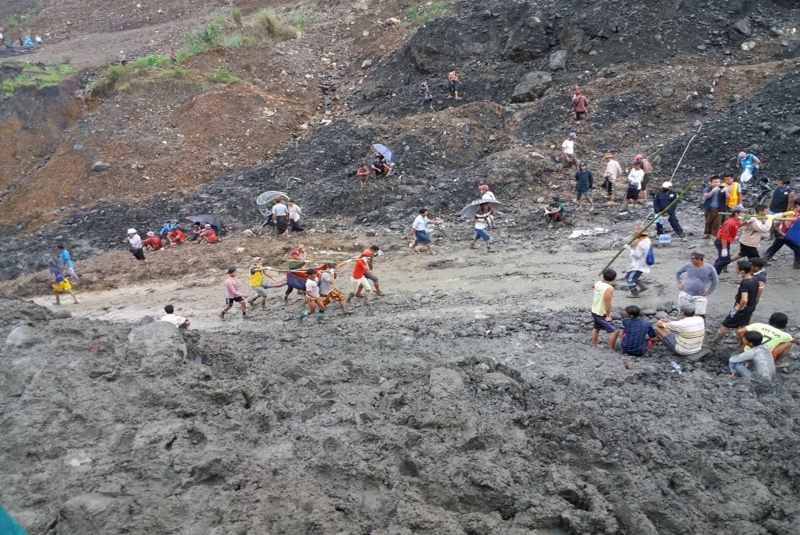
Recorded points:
(233, 295)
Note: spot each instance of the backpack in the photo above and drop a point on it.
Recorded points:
(651, 257)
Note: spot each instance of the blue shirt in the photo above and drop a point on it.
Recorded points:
(697, 278)
(637, 330)
(749, 163)
(9, 526)
(715, 201)
(66, 259)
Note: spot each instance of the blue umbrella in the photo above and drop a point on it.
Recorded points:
(385, 152)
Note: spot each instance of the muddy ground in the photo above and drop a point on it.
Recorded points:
(405, 417)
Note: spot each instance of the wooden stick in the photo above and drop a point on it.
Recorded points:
(684, 152)
(753, 216)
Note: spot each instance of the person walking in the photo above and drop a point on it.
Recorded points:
(713, 202)
(280, 214)
(744, 303)
(568, 153)
(233, 295)
(359, 280)
(67, 264)
(136, 246)
(612, 173)
(295, 213)
(662, 201)
(313, 297)
(639, 252)
(635, 178)
(584, 182)
(60, 282)
(257, 274)
(757, 354)
(647, 167)
(481, 221)
(419, 230)
(701, 281)
(453, 84)
(753, 229)
(780, 237)
(726, 236)
(579, 104)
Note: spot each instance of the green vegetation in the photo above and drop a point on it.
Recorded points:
(423, 14)
(38, 77)
(222, 77)
(155, 65)
(236, 15)
(206, 38)
(300, 22)
(263, 27)
(267, 26)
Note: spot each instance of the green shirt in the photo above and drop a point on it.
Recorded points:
(772, 337)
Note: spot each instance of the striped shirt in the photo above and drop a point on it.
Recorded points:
(689, 334)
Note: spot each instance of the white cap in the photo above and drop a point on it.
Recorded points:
(151, 233)
(666, 184)
(742, 155)
(131, 231)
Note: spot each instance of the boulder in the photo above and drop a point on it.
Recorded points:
(100, 166)
(532, 86)
(445, 382)
(558, 60)
(158, 347)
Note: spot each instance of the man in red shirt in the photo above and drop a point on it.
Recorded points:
(207, 235)
(579, 103)
(726, 236)
(359, 279)
(175, 237)
(153, 241)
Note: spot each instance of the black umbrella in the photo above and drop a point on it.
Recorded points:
(214, 221)
(469, 211)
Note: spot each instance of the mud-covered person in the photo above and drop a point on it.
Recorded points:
(280, 214)
(419, 230)
(701, 281)
(453, 84)
(744, 302)
(362, 174)
(178, 321)
(135, 245)
(602, 294)
(756, 355)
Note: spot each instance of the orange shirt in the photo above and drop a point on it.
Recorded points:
(176, 236)
(209, 235)
(358, 269)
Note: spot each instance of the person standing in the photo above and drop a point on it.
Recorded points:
(136, 246)
(780, 237)
(744, 303)
(755, 352)
(280, 214)
(638, 252)
(60, 282)
(419, 230)
(453, 84)
(481, 220)
(486, 195)
(647, 167)
(568, 153)
(752, 230)
(313, 297)
(612, 173)
(257, 274)
(635, 178)
(733, 194)
(173, 56)
(233, 295)
(713, 201)
(584, 182)
(579, 104)
(602, 294)
(66, 262)
(178, 321)
(661, 202)
(701, 281)
(782, 198)
(362, 174)
(726, 236)
(359, 279)
(295, 213)
(122, 59)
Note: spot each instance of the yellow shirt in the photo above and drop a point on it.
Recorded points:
(256, 275)
(733, 195)
(599, 300)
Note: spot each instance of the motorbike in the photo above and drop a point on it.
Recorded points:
(760, 193)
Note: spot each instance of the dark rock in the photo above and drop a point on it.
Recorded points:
(100, 166)
(532, 86)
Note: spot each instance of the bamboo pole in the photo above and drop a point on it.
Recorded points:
(753, 216)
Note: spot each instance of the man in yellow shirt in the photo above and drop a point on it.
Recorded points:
(602, 293)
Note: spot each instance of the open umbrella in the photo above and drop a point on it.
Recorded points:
(385, 152)
(469, 211)
(267, 199)
(214, 221)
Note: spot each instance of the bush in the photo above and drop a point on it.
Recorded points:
(267, 25)
(151, 61)
(300, 22)
(205, 38)
(222, 77)
(236, 15)
(38, 77)
(419, 15)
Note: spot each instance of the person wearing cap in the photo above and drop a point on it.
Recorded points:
(610, 175)
(635, 178)
(727, 235)
(257, 274)
(233, 295)
(780, 236)
(176, 236)
(701, 281)
(359, 280)
(775, 337)
(313, 297)
(376, 251)
(207, 235)
(638, 334)
(555, 210)
(750, 165)
(136, 247)
(486, 195)
(584, 182)
(684, 336)
(152, 241)
(579, 104)
(481, 221)
(757, 355)
(280, 214)
(744, 303)
(568, 153)
(362, 174)
(60, 282)
(753, 229)
(661, 202)
(713, 203)
(638, 252)
(647, 167)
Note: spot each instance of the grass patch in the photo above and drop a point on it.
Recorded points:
(267, 26)
(222, 77)
(422, 14)
(151, 61)
(300, 22)
(236, 15)
(38, 77)
(206, 38)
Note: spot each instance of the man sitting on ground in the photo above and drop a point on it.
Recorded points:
(176, 237)
(759, 356)
(774, 337)
(684, 336)
(152, 241)
(638, 334)
(178, 321)
(207, 235)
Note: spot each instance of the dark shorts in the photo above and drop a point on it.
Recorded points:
(670, 341)
(138, 253)
(452, 86)
(748, 252)
(632, 194)
(422, 237)
(231, 300)
(739, 319)
(601, 324)
(608, 186)
(646, 180)
(579, 115)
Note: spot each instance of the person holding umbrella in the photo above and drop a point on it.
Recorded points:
(419, 231)
(481, 220)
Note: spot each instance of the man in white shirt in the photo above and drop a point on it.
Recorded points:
(313, 297)
(280, 214)
(419, 230)
(178, 321)
(568, 153)
(295, 213)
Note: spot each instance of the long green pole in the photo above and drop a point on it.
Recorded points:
(662, 212)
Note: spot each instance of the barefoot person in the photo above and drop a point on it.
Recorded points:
(328, 289)
(481, 221)
(684, 336)
(359, 279)
(420, 233)
(453, 83)
(744, 303)
(701, 281)
(257, 274)
(313, 297)
(602, 293)
(233, 295)
(60, 282)
(756, 355)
